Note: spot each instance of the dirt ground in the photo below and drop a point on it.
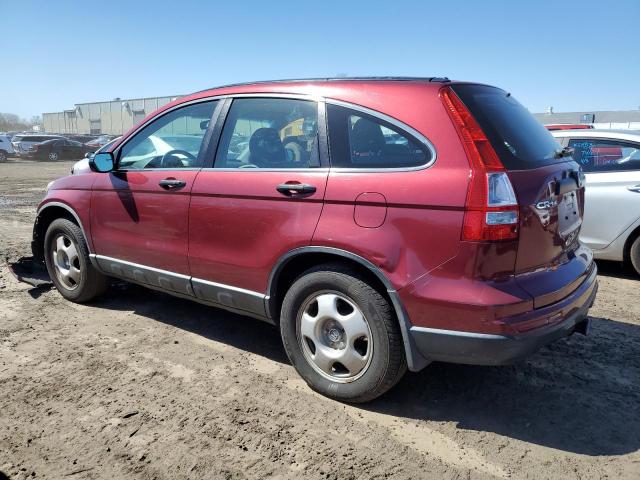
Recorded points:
(143, 385)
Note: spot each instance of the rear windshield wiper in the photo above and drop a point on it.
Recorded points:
(565, 152)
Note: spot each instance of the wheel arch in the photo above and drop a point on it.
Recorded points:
(296, 261)
(46, 214)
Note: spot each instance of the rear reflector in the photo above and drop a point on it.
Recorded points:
(491, 207)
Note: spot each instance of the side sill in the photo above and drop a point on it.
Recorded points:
(233, 299)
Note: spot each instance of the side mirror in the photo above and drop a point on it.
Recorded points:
(102, 162)
(88, 154)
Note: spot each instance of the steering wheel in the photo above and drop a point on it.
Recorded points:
(170, 153)
(248, 165)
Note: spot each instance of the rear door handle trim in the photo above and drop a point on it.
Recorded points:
(635, 188)
(294, 189)
(172, 183)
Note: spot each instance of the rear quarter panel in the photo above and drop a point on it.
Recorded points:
(424, 208)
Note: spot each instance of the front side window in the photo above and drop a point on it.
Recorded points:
(269, 133)
(359, 140)
(605, 155)
(171, 141)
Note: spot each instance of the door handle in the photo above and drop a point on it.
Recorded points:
(635, 188)
(172, 183)
(293, 189)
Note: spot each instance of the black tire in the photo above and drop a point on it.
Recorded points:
(89, 283)
(53, 156)
(387, 364)
(3, 156)
(634, 254)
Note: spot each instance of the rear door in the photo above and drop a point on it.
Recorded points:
(612, 170)
(139, 212)
(549, 186)
(261, 198)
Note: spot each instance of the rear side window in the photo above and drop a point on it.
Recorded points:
(518, 138)
(272, 133)
(360, 140)
(595, 155)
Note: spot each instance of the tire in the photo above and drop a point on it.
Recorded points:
(67, 259)
(634, 254)
(53, 156)
(3, 156)
(372, 345)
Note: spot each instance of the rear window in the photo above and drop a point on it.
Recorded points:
(518, 138)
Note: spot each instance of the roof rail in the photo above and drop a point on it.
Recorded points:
(335, 79)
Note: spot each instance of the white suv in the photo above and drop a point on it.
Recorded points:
(611, 162)
(6, 149)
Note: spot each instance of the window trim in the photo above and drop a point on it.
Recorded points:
(221, 111)
(204, 146)
(629, 143)
(403, 127)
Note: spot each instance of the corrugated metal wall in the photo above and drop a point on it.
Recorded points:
(113, 118)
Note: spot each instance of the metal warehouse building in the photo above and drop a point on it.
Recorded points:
(114, 117)
(117, 116)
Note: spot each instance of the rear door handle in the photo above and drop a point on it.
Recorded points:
(635, 188)
(172, 183)
(293, 189)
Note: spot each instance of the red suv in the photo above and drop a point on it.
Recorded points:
(381, 223)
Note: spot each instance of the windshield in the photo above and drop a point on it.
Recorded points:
(518, 138)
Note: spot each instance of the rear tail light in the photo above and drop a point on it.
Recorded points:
(491, 207)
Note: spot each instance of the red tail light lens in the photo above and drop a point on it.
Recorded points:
(491, 207)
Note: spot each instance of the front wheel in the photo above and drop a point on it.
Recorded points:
(3, 156)
(67, 259)
(341, 334)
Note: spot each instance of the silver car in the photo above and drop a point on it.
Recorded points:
(611, 162)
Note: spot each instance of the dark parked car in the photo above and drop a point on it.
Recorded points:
(23, 143)
(381, 224)
(58, 149)
(81, 138)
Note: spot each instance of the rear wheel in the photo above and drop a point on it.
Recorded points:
(634, 254)
(67, 259)
(3, 156)
(341, 335)
(53, 156)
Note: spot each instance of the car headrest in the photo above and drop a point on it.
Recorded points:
(366, 138)
(265, 148)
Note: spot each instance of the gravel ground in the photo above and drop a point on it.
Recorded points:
(143, 385)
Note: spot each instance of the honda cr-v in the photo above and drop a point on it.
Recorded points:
(382, 224)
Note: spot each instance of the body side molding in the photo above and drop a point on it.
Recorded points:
(238, 300)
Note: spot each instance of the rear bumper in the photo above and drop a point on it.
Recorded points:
(453, 346)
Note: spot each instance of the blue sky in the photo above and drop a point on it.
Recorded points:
(574, 55)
